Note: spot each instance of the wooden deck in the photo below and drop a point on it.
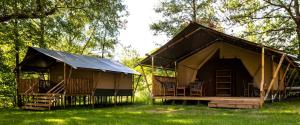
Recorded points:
(220, 102)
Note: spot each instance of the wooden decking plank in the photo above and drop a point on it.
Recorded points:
(38, 104)
(205, 98)
(34, 108)
(39, 100)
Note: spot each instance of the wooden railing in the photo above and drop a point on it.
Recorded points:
(157, 81)
(57, 88)
(26, 86)
(79, 86)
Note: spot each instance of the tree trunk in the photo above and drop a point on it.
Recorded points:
(298, 37)
(42, 32)
(194, 11)
(42, 43)
(103, 45)
(16, 44)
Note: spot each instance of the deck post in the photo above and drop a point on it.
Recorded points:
(115, 93)
(175, 69)
(152, 65)
(93, 90)
(274, 76)
(283, 80)
(262, 76)
(153, 70)
(65, 76)
(65, 84)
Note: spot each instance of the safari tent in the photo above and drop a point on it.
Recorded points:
(52, 78)
(224, 70)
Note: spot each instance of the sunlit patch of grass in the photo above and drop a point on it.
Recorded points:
(56, 121)
(179, 121)
(78, 118)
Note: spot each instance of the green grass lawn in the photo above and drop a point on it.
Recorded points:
(283, 113)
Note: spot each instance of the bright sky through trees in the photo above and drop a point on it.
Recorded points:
(137, 32)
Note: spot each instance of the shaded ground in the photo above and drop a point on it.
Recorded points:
(287, 113)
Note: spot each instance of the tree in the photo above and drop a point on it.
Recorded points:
(178, 13)
(274, 22)
(7, 89)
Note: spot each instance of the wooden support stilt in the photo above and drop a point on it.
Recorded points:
(275, 76)
(295, 77)
(262, 76)
(283, 81)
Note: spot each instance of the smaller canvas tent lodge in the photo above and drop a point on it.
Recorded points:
(53, 78)
(213, 66)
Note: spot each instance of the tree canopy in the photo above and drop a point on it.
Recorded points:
(274, 23)
(176, 14)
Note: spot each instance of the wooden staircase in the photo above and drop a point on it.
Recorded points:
(44, 101)
(234, 103)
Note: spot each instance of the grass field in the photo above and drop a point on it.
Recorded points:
(283, 113)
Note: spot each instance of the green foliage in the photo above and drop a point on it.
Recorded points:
(178, 13)
(131, 58)
(268, 22)
(279, 113)
(7, 84)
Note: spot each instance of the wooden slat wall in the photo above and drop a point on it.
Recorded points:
(79, 86)
(25, 84)
(157, 89)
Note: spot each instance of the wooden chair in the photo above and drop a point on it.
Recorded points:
(169, 88)
(196, 88)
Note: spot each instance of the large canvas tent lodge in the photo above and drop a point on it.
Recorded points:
(53, 78)
(224, 70)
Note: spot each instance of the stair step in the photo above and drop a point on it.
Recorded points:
(38, 104)
(236, 101)
(34, 108)
(41, 100)
(46, 97)
(44, 94)
(227, 105)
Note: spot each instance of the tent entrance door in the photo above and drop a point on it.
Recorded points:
(223, 82)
